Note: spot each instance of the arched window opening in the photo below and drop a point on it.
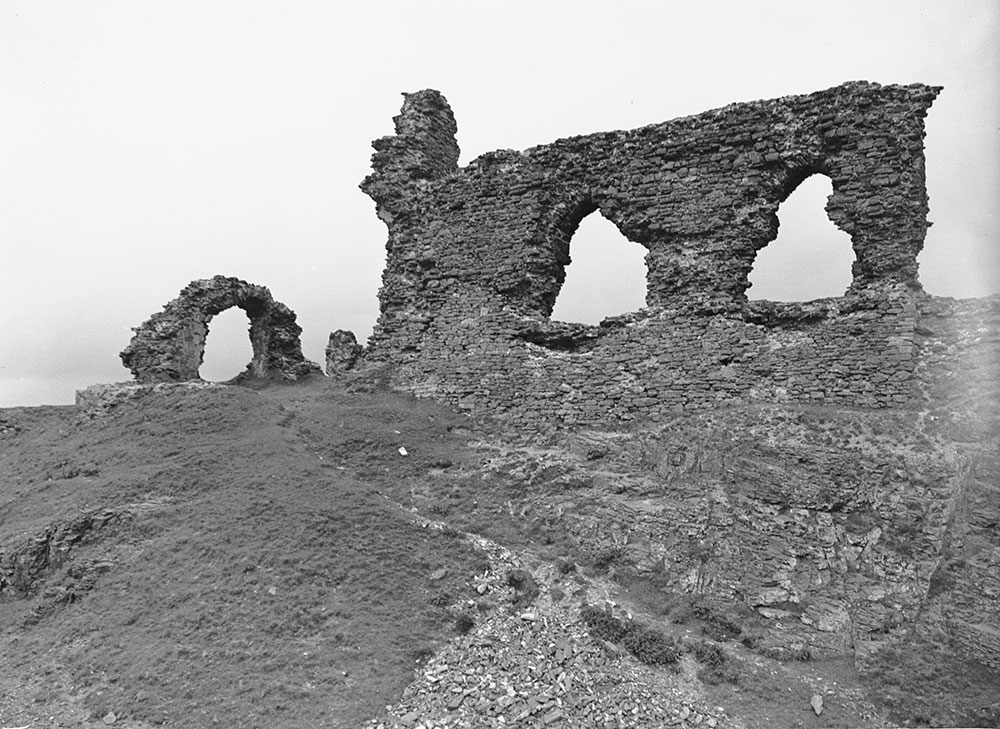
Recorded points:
(811, 258)
(607, 276)
(227, 347)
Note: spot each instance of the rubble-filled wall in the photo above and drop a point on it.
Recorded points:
(477, 255)
(170, 345)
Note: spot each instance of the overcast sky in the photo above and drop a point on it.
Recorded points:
(147, 144)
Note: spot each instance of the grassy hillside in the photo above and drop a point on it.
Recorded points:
(299, 556)
(217, 570)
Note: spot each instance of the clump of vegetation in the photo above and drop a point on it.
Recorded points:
(651, 646)
(601, 557)
(717, 624)
(708, 653)
(602, 623)
(794, 652)
(716, 668)
(565, 566)
(647, 644)
(465, 621)
(423, 652)
(525, 587)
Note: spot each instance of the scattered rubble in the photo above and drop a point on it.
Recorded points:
(537, 667)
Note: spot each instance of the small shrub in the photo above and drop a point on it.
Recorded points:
(651, 646)
(465, 621)
(423, 652)
(718, 625)
(708, 654)
(795, 652)
(602, 556)
(565, 566)
(602, 623)
(525, 587)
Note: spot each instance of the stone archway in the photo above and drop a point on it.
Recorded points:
(606, 276)
(810, 258)
(170, 345)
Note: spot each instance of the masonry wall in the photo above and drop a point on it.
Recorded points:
(477, 255)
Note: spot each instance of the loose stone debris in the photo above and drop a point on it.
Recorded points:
(538, 668)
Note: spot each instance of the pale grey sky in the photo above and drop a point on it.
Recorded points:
(147, 144)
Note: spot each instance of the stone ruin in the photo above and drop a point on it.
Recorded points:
(170, 345)
(477, 255)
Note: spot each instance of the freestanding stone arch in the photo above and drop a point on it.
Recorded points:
(170, 345)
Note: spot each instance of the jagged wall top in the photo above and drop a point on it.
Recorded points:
(424, 147)
(477, 255)
(700, 193)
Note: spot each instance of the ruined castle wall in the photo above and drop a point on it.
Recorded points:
(477, 255)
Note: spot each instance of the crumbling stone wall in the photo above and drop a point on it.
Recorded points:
(477, 255)
(170, 345)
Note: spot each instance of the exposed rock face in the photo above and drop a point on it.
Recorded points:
(841, 528)
(170, 345)
(476, 257)
(24, 565)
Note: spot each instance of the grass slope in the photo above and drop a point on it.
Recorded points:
(228, 557)
(245, 582)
